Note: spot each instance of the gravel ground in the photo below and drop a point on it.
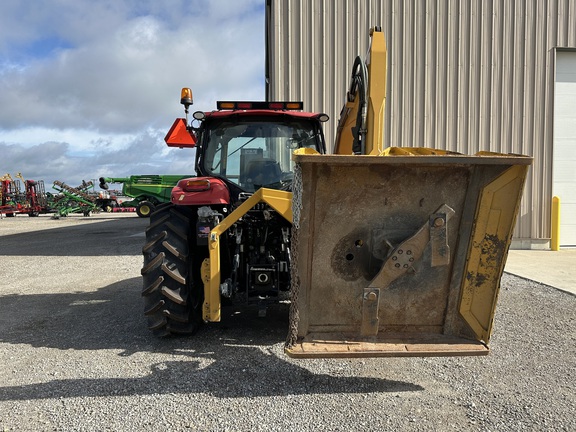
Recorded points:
(75, 355)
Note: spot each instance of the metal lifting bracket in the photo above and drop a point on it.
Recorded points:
(402, 258)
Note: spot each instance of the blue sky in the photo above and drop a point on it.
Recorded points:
(89, 88)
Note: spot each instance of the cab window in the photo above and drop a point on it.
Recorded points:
(254, 154)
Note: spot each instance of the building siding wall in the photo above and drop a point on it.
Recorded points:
(464, 76)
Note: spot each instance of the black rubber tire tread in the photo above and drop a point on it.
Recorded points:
(176, 317)
(160, 324)
(172, 289)
(155, 285)
(151, 310)
(174, 251)
(149, 245)
(157, 222)
(174, 273)
(173, 295)
(153, 264)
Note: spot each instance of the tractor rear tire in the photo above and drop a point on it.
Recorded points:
(145, 209)
(172, 286)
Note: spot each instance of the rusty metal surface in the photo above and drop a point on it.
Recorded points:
(342, 345)
(356, 212)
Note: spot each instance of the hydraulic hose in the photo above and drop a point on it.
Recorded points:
(359, 84)
(358, 88)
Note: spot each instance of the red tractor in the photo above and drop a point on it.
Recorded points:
(240, 149)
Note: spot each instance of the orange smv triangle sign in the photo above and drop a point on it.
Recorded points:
(179, 136)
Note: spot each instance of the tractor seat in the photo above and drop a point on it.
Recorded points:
(262, 172)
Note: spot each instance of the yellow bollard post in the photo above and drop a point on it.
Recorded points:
(555, 222)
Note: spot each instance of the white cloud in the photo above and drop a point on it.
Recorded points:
(85, 83)
(57, 160)
(81, 140)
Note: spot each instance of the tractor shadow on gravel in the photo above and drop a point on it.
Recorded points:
(240, 357)
(108, 237)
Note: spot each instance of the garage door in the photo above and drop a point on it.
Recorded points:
(564, 159)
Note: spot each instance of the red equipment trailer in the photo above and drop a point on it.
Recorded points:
(32, 201)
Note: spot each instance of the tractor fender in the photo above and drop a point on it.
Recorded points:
(200, 191)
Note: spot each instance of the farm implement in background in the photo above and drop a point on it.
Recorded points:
(14, 199)
(74, 200)
(146, 191)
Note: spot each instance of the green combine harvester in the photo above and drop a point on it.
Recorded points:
(146, 191)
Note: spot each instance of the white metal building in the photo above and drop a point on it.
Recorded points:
(463, 75)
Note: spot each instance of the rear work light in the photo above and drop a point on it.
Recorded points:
(199, 115)
(196, 185)
(230, 105)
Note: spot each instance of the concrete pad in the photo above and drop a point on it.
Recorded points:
(554, 268)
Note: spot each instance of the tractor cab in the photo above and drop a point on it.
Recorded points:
(249, 145)
(256, 151)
